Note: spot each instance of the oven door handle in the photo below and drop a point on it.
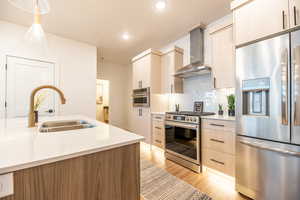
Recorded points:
(182, 125)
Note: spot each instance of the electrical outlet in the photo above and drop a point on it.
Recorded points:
(6, 185)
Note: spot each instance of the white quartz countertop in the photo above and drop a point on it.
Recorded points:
(22, 147)
(158, 113)
(219, 117)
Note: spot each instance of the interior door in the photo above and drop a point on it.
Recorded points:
(24, 75)
(266, 59)
(295, 79)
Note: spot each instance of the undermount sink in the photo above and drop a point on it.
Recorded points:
(66, 125)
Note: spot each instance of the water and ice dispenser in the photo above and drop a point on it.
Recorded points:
(256, 97)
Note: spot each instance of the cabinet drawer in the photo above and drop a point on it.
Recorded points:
(158, 117)
(158, 133)
(218, 140)
(158, 138)
(158, 124)
(218, 125)
(159, 142)
(219, 161)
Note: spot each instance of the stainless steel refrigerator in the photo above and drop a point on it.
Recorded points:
(268, 118)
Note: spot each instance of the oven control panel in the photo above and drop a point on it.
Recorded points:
(183, 118)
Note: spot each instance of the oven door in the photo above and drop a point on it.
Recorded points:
(141, 101)
(141, 97)
(183, 140)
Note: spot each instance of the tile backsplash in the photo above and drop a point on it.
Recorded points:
(200, 88)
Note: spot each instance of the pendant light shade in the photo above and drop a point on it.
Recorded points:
(30, 5)
(35, 38)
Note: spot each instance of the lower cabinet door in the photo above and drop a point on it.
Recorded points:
(142, 123)
(219, 161)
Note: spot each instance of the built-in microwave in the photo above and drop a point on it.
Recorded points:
(141, 97)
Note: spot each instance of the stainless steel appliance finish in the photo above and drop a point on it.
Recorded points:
(197, 66)
(183, 139)
(265, 59)
(295, 89)
(141, 97)
(68, 125)
(268, 151)
(267, 170)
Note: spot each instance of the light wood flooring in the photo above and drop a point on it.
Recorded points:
(214, 185)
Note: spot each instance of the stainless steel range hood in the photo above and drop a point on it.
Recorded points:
(197, 66)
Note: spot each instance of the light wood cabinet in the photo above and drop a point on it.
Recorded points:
(112, 174)
(146, 71)
(170, 62)
(256, 19)
(223, 57)
(158, 130)
(218, 145)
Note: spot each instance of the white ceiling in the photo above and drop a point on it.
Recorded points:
(102, 22)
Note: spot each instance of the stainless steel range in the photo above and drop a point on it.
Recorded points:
(183, 138)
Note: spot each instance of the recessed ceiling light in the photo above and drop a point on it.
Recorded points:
(160, 4)
(125, 36)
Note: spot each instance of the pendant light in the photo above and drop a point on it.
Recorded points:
(30, 5)
(160, 4)
(35, 40)
(36, 33)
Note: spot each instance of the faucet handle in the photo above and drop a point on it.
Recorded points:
(50, 111)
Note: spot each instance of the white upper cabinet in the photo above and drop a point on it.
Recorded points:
(146, 71)
(294, 13)
(141, 75)
(223, 57)
(170, 62)
(255, 19)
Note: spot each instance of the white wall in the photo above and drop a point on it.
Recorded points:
(76, 62)
(199, 88)
(119, 83)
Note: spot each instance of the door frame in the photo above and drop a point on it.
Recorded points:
(4, 74)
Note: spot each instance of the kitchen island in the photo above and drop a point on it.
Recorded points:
(93, 163)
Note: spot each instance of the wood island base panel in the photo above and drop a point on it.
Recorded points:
(112, 174)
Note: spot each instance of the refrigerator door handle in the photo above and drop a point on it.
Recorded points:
(264, 147)
(296, 85)
(284, 87)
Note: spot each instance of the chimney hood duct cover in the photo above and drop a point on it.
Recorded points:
(197, 66)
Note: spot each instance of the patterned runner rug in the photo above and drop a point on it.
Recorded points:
(158, 184)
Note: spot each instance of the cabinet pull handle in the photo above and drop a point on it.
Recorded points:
(220, 125)
(213, 160)
(283, 19)
(140, 84)
(219, 141)
(284, 85)
(158, 141)
(295, 15)
(158, 128)
(215, 80)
